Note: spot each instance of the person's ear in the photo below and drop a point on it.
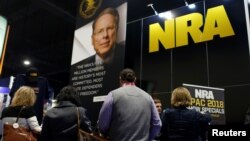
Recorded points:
(135, 79)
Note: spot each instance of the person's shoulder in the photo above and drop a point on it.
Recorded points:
(90, 59)
(169, 110)
(80, 108)
(193, 111)
(166, 112)
(200, 114)
(117, 90)
(146, 94)
(196, 112)
(52, 110)
(42, 79)
(123, 88)
(20, 77)
(29, 111)
(29, 108)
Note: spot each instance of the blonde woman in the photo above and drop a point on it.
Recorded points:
(180, 123)
(23, 101)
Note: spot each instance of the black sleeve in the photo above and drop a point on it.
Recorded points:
(45, 133)
(85, 123)
(28, 112)
(164, 128)
(204, 118)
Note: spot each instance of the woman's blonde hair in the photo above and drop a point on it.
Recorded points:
(181, 97)
(24, 96)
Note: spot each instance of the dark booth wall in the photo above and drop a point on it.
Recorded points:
(221, 62)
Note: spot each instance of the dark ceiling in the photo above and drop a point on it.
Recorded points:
(42, 31)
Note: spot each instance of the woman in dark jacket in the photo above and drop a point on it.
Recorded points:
(180, 123)
(60, 122)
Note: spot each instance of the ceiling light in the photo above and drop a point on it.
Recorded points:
(26, 62)
(191, 6)
(151, 5)
(167, 15)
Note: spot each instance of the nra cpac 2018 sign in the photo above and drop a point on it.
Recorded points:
(208, 99)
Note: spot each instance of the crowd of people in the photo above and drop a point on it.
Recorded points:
(127, 114)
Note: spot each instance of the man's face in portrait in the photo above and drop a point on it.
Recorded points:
(104, 35)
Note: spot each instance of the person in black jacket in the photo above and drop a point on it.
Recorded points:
(60, 122)
(39, 84)
(180, 123)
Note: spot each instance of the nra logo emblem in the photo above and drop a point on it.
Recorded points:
(88, 8)
(175, 31)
